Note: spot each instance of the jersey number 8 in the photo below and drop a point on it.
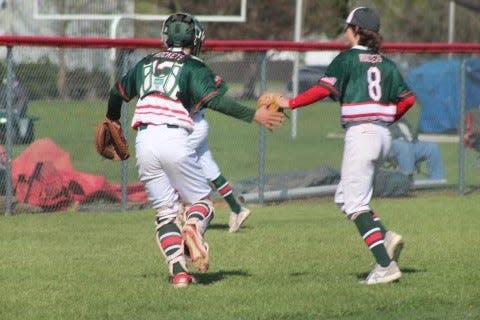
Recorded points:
(374, 88)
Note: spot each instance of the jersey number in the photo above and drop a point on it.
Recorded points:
(161, 77)
(374, 88)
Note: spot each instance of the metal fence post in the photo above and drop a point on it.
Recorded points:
(261, 137)
(9, 140)
(461, 131)
(124, 121)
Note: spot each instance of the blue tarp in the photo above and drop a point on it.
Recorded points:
(437, 86)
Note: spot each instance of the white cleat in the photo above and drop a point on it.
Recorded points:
(381, 274)
(393, 243)
(236, 220)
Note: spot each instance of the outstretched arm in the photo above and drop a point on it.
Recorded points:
(311, 95)
(404, 103)
(232, 108)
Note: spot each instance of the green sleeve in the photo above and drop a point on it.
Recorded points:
(124, 89)
(231, 108)
(114, 105)
(336, 70)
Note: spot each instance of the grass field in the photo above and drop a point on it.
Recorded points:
(293, 260)
(297, 260)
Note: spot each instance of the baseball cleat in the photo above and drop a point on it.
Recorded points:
(182, 280)
(232, 220)
(381, 274)
(237, 219)
(197, 248)
(393, 243)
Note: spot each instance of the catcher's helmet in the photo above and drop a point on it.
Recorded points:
(183, 30)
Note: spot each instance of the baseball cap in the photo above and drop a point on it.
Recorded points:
(365, 18)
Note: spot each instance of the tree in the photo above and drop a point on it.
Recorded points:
(421, 21)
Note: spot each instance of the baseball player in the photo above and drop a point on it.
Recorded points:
(372, 95)
(199, 141)
(171, 85)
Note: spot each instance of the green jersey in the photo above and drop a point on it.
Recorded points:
(367, 85)
(171, 87)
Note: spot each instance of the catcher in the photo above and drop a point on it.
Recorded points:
(172, 85)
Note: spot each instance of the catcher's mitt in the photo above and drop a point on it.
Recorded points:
(110, 141)
(270, 100)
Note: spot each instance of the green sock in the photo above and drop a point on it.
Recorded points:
(373, 237)
(378, 222)
(225, 190)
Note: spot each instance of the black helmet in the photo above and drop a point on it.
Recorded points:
(364, 18)
(183, 30)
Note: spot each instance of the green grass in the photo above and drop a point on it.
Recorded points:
(297, 260)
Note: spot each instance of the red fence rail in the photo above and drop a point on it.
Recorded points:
(232, 45)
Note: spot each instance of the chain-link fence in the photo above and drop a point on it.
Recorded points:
(52, 104)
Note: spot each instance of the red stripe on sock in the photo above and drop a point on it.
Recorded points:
(224, 190)
(374, 237)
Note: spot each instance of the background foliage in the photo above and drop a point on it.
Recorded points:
(408, 20)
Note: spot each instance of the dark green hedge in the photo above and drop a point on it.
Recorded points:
(41, 78)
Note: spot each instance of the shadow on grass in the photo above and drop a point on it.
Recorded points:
(218, 226)
(223, 226)
(211, 277)
(362, 276)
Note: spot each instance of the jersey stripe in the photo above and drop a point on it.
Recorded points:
(371, 112)
(157, 109)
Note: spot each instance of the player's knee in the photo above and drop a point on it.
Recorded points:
(354, 215)
(169, 214)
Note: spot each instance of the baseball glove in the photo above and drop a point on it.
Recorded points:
(270, 100)
(110, 141)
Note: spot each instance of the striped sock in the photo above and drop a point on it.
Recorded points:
(378, 222)
(373, 237)
(225, 190)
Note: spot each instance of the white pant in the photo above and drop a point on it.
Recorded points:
(198, 141)
(365, 147)
(167, 165)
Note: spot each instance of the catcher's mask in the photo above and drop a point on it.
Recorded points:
(183, 30)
